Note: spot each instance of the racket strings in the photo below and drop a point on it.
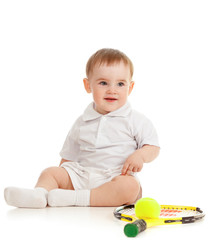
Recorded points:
(128, 211)
(166, 213)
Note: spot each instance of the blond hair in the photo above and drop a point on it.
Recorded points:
(108, 56)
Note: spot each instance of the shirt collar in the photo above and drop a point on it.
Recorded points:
(90, 113)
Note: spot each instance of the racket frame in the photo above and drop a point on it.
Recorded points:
(161, 221)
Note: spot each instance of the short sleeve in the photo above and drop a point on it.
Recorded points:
(144, 131)
(70, 149)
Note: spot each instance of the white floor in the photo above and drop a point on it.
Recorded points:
(99, 223)
(81, 223)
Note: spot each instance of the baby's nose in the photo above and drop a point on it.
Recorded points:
(111, 89)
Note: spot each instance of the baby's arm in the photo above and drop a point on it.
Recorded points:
(135, 161)
(62, 161)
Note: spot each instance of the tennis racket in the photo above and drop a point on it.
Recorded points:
(170, 214)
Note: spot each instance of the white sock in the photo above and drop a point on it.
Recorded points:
(64, 198)
(26, 198)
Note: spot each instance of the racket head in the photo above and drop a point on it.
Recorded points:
(170, 214)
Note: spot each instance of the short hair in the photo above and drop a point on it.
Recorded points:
(108, 56)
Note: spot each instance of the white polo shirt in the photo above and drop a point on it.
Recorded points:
(106, 141)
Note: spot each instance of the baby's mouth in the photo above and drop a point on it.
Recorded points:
(110, 99)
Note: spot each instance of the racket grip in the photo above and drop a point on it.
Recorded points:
(133, 229)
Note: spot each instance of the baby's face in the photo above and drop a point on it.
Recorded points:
(110, 86)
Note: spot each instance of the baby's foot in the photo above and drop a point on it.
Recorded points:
(65, 198)
(26, 198)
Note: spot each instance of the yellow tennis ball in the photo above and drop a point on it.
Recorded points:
(147, 208)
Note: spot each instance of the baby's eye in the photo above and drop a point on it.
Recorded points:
(121, 84)
(103, 83)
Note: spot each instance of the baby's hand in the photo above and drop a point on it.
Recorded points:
(133, 163)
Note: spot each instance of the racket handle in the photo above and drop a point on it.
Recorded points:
(133, 229)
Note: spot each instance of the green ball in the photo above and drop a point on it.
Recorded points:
(147, 208)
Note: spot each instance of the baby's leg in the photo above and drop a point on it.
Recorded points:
(54, 177)
(121, 190)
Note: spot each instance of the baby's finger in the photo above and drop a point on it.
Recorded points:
(130, 170)
(125, 168)
(129, 173)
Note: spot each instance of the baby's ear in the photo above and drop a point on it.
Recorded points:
(131, 86)
(87, 85)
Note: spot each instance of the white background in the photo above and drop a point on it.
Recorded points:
(44, 47)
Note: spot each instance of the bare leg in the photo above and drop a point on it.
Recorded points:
(55, 177)
(121, 190)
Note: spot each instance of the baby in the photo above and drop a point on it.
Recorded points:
(107, 145)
